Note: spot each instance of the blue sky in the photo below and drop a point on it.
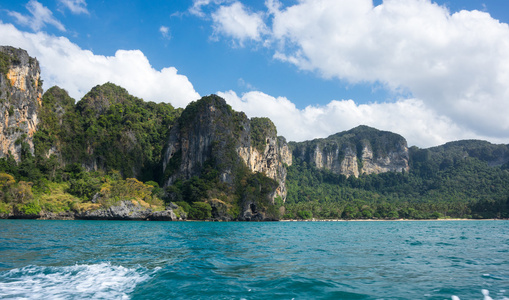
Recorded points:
(432, 71)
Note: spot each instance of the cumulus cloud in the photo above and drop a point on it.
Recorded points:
(456, 64)
(236, 22)
(75, 6)
(77, 70)
(39, 16)
(410, 118)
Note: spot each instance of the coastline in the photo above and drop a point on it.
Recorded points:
(397, 220)
(70, 217)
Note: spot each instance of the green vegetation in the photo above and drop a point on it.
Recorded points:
(5, 62)
(211, 117)
(87, 155)
(451, 181)
(260, 129)
(112, 191)
(108, 129)
(101, 150)
(60, 197)
(195, 194)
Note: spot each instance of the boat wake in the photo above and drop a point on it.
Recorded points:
(486, 295)
(102, 281)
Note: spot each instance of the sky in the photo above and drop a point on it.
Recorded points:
(432, 71)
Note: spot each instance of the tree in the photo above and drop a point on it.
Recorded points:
(305, 214)
(200, 211)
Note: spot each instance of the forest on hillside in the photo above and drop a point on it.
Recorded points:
(109, 146)
(456, 180)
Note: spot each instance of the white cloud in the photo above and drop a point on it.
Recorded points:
(76, 70)
(75, 6)
(410, 118)
(165, 32)
(456, 64)
(236, 22)
(196, 9)
(40, 16)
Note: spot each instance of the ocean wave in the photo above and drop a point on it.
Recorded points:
(486, 295)
(85, 281)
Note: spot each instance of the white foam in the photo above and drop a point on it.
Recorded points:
(94, 281)
(486, 294)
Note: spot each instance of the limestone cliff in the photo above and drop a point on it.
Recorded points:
(362, 150)
(210, 133)
(20, 96)
(263, 151)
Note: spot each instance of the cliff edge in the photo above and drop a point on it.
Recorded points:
(361, 150)
(244, 157)
(20, 97)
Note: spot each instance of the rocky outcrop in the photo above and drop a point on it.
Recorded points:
(209, 134)
(393, 161)
(20, 97)
(128, 210)
(219, 210)
(123, 210)
(65, 215)
(206, 130)
(362, 150)
(209, 130)
(272, 158)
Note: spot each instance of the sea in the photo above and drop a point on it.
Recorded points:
(258, 260)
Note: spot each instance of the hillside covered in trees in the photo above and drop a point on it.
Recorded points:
(111, 155)
(464, 179)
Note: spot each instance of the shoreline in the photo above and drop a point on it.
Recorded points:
(395, 220)
(67, 218)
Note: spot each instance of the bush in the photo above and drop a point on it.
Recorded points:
(200, 211)
(31, 208)
(436, 215)
(5, 208)
(83, 188)
(305, 214)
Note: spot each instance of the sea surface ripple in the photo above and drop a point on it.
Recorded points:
(265, 260)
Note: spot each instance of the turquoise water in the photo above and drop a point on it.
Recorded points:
(275, 260)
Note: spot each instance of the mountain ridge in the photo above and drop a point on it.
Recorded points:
(214, 162)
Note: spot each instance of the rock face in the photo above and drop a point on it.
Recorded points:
(210, 133)
(270, 159)
(210, 130)
(362, 150)
(128, 210)
(20, 96)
